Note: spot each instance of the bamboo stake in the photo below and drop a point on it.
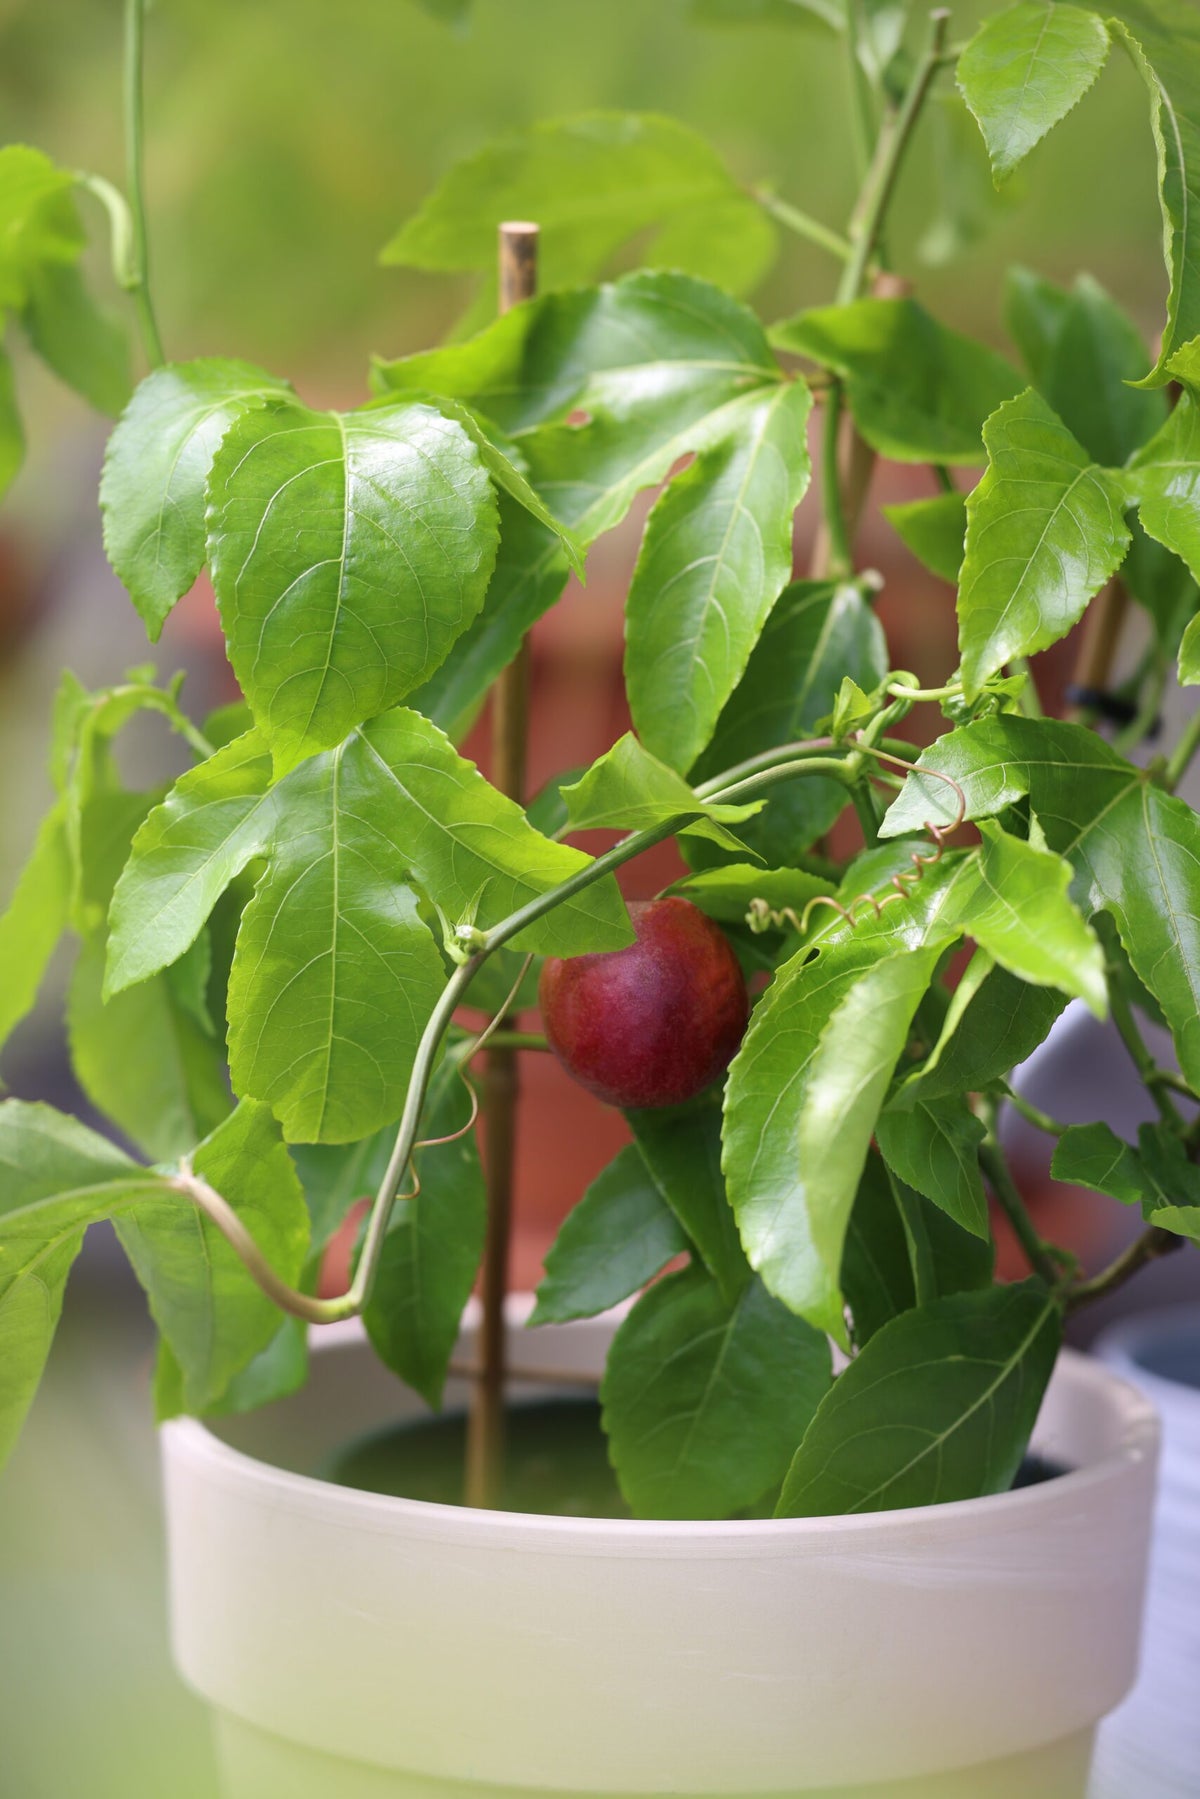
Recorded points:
(510, 711)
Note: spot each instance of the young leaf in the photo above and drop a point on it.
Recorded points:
(1092, 1155)
(1024, 71)
(1044, 533)
(938, 1406)
(1163, 41)
(620, 1235)
(817, 634)
(348, 552)
(715, 557)
(432, 1249)
(705, 1398)
(36, 918)
(213, 1316)
(918, 391)
(156, 468)
(933, 1146)
(934, 531)
(814, 1067)
(1134, 848)
(681, 1146)
(640, 173)
(629, 789)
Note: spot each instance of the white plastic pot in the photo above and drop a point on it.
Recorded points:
(362, 1647)
(1151, 1748)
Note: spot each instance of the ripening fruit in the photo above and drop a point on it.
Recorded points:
(652, 1024)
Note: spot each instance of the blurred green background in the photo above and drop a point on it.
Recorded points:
(287, 139)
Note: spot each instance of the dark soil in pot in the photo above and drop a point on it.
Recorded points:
(556, 1463)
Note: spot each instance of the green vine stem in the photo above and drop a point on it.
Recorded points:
(138, 266)
(802, 224)
(995, 1166)
(1149, 1247)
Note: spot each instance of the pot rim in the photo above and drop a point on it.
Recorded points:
(1138, 1440)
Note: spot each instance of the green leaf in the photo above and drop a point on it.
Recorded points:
(934, 531)
(156, 467)
(530, 574)
(36, 918)
(1163, 41)
(1134, 848)
(1092, 1155)
(642, 174)
(803, 1096)
(1024, 71)
(726, 893)
(347, 551)
(918, 391)
(966, 204)
(1022, 915)
(939, 1406)
(1171, 1191)
(432, 1249)
(275, 1372)
(12, 438)
(876, 1275)
(715, 557)
(1000, 1024)
(628, 789)
(43, 1155)
(934, 1147)
(620, 1235)
(1083, 353)
(1164, 479)
(817, 634)
(705, 1399)
(681, 1146)
(212, 1314)
(336, 1176)
(1044, 533)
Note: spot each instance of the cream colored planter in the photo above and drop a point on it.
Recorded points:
(361, 1647)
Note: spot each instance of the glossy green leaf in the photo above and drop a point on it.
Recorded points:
(348, 552)
(530, 574)
(1092, 1155)
(934, 531)
(1164, 479)
(681, 1146)
(715, 557)
(644, 176)
(1044, 532)
(156, 468)
(1024, 71)
(34, 921)
(212, 1314)
(1163, 41)
(619, 1236)
(803, 1096)
(1083, 352)
(1134, 848)
(726, 893)
(432, 1249)
(705, 1398)
(628, 789)
(938, 1406)
(1022, 915)
(1171, 1191)
(817, 634)
(918, 391)
(934, 1147)
(1000, 1024)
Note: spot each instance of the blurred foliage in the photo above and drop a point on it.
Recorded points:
(288, 139)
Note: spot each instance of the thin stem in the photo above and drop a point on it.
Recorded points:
(120, 226)
(943, 477)
(1139, 1055)
(1181, 756)
(866, 810)
(1033, 1115)
(861, 109)
(835, 558)
(1037, 1253)
(786, 752)
(803, 224)
(518, 1040)
(1153, 1243)
(139, 261)
(903, 692)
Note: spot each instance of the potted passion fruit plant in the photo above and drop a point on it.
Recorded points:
(796, 1579)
